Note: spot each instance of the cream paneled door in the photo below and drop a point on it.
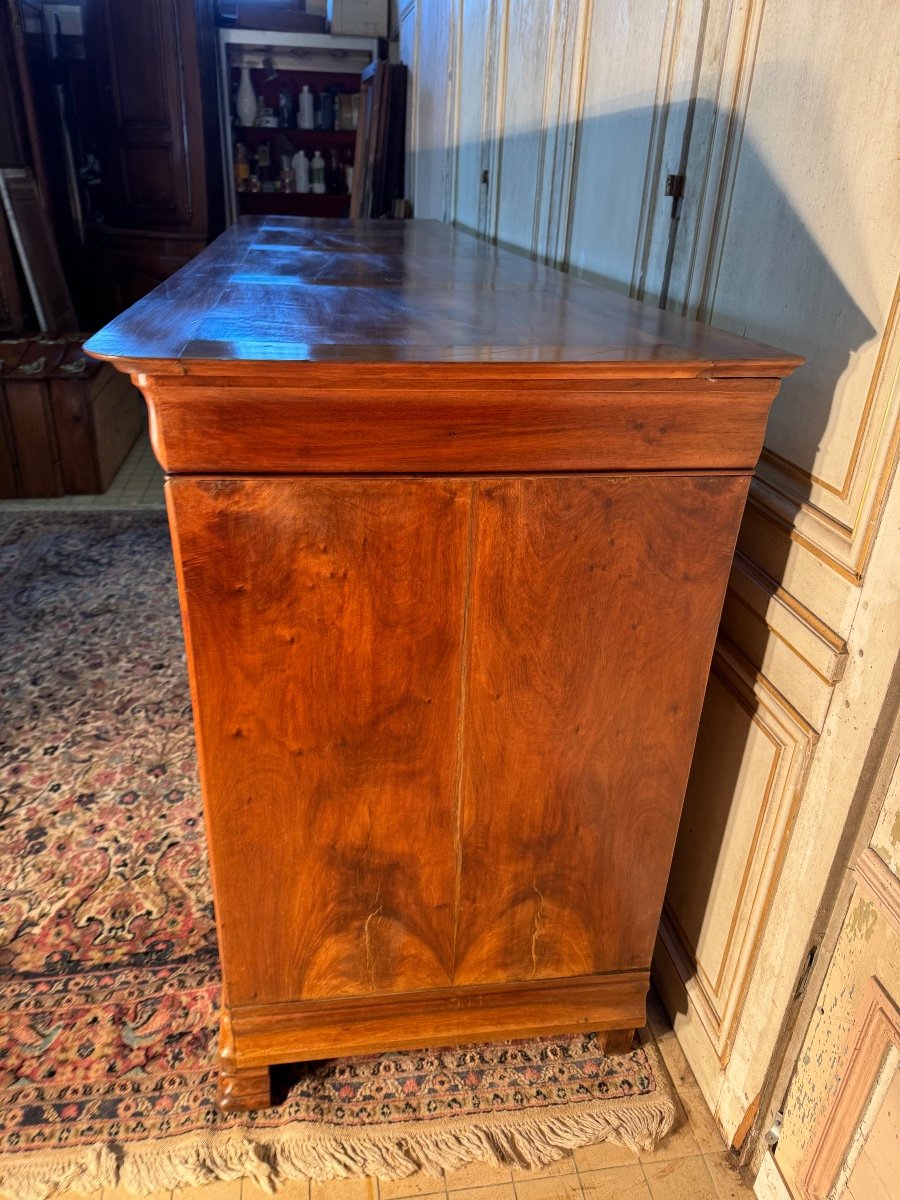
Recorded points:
(789, 233)
(553, 128)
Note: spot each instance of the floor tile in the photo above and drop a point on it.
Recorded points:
(344, 1189)
(680, 1179)
(222, 1190)
(493, 1191)
(618, 1183)
(552, 1187)
(290, 1189)
(119, 1193)
(679, 1142)
(729, 1182)
(602, 1156)
(477, 1174)
(562, 1166)
(702, 1122)
(676, 1064)
(419, 1184)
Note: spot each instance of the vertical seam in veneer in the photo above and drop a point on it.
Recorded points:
(465, 654)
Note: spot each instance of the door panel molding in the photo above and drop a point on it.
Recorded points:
(876, 877)
(563, 108)
(728, 89)
(783, 640)
(871, 1063)
(716, 986)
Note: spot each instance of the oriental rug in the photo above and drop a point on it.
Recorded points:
(108, 961)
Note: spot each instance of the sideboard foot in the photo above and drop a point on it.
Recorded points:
(618, 1041)
(240, 1089)
(244, 1090)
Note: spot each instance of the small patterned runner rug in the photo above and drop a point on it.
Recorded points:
(108, 962)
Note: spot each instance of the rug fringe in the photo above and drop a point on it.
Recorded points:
(300, 1153)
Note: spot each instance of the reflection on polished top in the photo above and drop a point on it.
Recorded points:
(287, 289)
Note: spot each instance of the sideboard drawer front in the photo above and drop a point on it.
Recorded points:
(498, 426)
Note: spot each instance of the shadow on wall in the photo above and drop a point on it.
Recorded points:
(762, 273)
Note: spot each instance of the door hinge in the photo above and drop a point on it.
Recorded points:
(675, 186)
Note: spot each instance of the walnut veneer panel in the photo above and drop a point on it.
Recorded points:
(452, 533)
(344, 421)
(577, 754)
(324, 623)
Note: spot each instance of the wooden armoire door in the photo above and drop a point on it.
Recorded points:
(145, 61)
(147, 73)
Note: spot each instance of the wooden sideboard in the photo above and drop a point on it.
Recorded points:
(452, 532)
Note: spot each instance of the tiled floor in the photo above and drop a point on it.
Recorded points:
(690, 1164)
(137, 485)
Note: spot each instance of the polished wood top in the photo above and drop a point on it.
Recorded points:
(280, 290)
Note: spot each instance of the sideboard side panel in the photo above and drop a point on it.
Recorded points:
(595, 601)
(323, 620)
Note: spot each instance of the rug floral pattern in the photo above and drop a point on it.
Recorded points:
(108, 962)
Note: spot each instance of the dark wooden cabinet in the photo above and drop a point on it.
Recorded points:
(150, 140)
(452, 533)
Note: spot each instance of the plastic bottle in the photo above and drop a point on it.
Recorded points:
(317, 174)
(305, 108)
(301, 172)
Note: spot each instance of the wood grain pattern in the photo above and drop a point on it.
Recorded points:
(576, 759)
(300, 1032)
(347, 423)
(452, 533)
(324, 629)
(294, 290)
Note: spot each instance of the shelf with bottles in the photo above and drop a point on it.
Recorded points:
(271, 68)
(275, 165)
(305, 101)
(280, 157)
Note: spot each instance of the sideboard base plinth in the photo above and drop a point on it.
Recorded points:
(259, 1037)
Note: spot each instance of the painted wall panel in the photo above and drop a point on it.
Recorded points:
(476, 87)
(789, 230)
(811, 253)
(626, 45)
